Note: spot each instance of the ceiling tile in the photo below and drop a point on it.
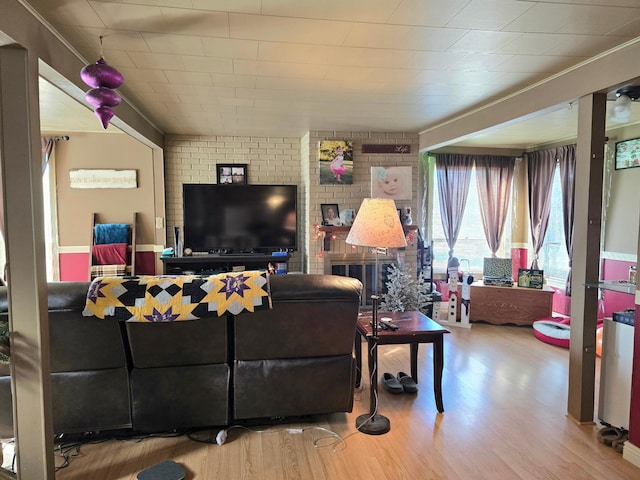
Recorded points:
(160, 61)
(403, 37)
(230, 47)
(489, 14)
(279, 29)
(180, 44)
(436, 13)
(235, 6)
(356, 56)
(577, 19)
(207, 64)
(483, 41)
(279, 69)
(368, 11)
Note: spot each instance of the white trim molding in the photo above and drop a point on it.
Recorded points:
(631, 454)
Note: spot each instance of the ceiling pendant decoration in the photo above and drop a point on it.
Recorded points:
(103, 80)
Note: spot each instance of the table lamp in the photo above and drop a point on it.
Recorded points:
(376, 225)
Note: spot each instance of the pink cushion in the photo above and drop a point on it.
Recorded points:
(553, 330)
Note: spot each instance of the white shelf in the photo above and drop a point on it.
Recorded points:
(620, 286)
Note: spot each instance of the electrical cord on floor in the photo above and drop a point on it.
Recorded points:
(208, 436)
(67, 450)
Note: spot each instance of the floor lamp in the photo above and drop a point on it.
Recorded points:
(376, 225)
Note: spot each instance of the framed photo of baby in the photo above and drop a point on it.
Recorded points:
(391, 182)
(336, 162)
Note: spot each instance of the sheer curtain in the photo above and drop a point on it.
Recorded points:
(567, 160)
(494, 176)
(454, 175)
(46, 145)
(540, 168)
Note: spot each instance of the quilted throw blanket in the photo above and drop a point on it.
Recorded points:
(167, 298)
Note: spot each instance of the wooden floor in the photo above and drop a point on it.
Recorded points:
(505, 396)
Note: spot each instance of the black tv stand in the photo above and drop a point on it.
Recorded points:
(219, 263)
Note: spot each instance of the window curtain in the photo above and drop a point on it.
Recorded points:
(540, 169)
(567, 159)
(454, 175)
(46, 144)
(494, 176)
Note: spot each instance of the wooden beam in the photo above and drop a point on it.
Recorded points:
(21, 173)
(586, 256)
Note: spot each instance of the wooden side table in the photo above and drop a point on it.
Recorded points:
(414, 328)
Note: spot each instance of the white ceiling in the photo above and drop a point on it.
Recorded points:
(283, 67)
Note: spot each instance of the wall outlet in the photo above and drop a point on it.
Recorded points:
(159, 222)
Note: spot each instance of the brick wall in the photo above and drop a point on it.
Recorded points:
(350, 196)
(192, 159)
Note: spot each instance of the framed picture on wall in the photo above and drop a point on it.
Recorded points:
(232, 173)
(391, 182)
(336, 162)
(628, 153)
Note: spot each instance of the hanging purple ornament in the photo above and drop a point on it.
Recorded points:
(100, 74)
(102, 96)
(104, 114)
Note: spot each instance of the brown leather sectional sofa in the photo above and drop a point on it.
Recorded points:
(290, 361)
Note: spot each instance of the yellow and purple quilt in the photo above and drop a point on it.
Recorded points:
(168, 298)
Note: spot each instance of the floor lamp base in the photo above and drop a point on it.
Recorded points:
(373, 425)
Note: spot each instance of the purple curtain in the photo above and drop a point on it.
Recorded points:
(567, 160)
(454, 175)
(541, 167)
(494, 176)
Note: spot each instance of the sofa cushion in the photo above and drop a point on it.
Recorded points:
(289, 388)
(79, 343)
(179, 398)
(173, 344)
(90, 401)
(312, 316)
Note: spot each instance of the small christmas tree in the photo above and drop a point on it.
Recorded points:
(404, 291)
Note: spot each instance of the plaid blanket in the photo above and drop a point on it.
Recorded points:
(168, 298)
(108, 270)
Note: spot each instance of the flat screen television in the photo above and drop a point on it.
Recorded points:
(240, 218)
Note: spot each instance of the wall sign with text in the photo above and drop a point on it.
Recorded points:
(102, 178)
(375, 148)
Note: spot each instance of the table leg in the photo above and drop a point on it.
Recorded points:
(357, 347)
(413, 355)
(438, 365)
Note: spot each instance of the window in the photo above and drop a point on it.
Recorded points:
(472, 244)
(553, 258)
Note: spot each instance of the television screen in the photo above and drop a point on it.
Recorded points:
(239, 218)
(628, 153)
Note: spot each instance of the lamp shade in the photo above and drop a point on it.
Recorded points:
(621, 111)
(377, 224)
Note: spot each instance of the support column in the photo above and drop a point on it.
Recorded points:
(586, 256)
(21, 173)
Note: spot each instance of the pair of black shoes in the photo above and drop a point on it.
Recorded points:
(402, 383)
